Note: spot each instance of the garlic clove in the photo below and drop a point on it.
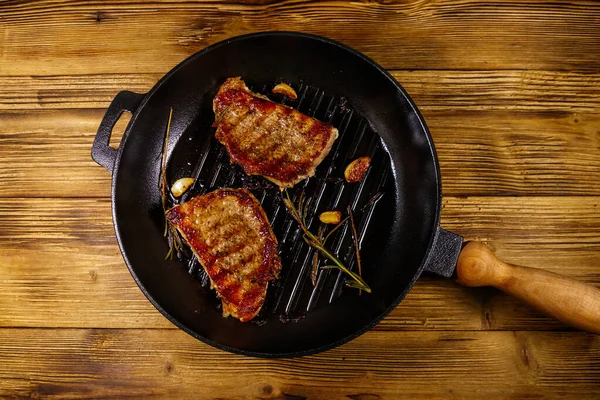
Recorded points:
(330, 217)
(356, 170)
(181, 186)
(285, 89)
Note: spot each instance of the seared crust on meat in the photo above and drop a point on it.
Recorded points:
(269, 139)
(230, 234)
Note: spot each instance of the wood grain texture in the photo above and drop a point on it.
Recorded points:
(47, 153)
(521, 90)
(71, 37)
(511, 93)
(62, 266)
(440, 90)
(69, 91)
(508, 153)
(98, 363)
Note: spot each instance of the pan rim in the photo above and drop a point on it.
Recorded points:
(435, 219)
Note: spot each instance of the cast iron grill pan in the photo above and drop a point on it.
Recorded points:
(375, 118)
(199, 155)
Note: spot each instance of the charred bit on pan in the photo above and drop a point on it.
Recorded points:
(318, 242)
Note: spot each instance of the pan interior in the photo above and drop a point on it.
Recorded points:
(374, 117)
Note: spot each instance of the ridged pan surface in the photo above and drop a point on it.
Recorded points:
(396, 206)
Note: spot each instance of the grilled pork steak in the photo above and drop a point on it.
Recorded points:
(269, 139)
(230, 234)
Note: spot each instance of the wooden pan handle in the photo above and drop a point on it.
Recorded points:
(570, 301)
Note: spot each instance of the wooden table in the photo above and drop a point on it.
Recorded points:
(511, 93)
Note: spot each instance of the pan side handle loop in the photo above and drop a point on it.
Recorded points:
(444, 253)
(102, 153)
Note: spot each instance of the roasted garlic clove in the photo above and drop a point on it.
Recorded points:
(181, 186)
(356, 170)
(330, 217)
(285, 89)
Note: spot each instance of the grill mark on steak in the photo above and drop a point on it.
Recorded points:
(269, 139)
(230, 235)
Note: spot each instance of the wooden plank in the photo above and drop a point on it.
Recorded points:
(508, 153)
(515, 90)
(47, 153)
(526, 90)
(69, 91)
(105, 37)
(62, 266)
(99, 363)
(61, 258)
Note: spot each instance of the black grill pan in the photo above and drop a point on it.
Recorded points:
(396, 206)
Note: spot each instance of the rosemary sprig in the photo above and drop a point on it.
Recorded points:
(318, 243)
(315, 269)
(335, 228)
(356, 244)
(163, 168)
(170, 231)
